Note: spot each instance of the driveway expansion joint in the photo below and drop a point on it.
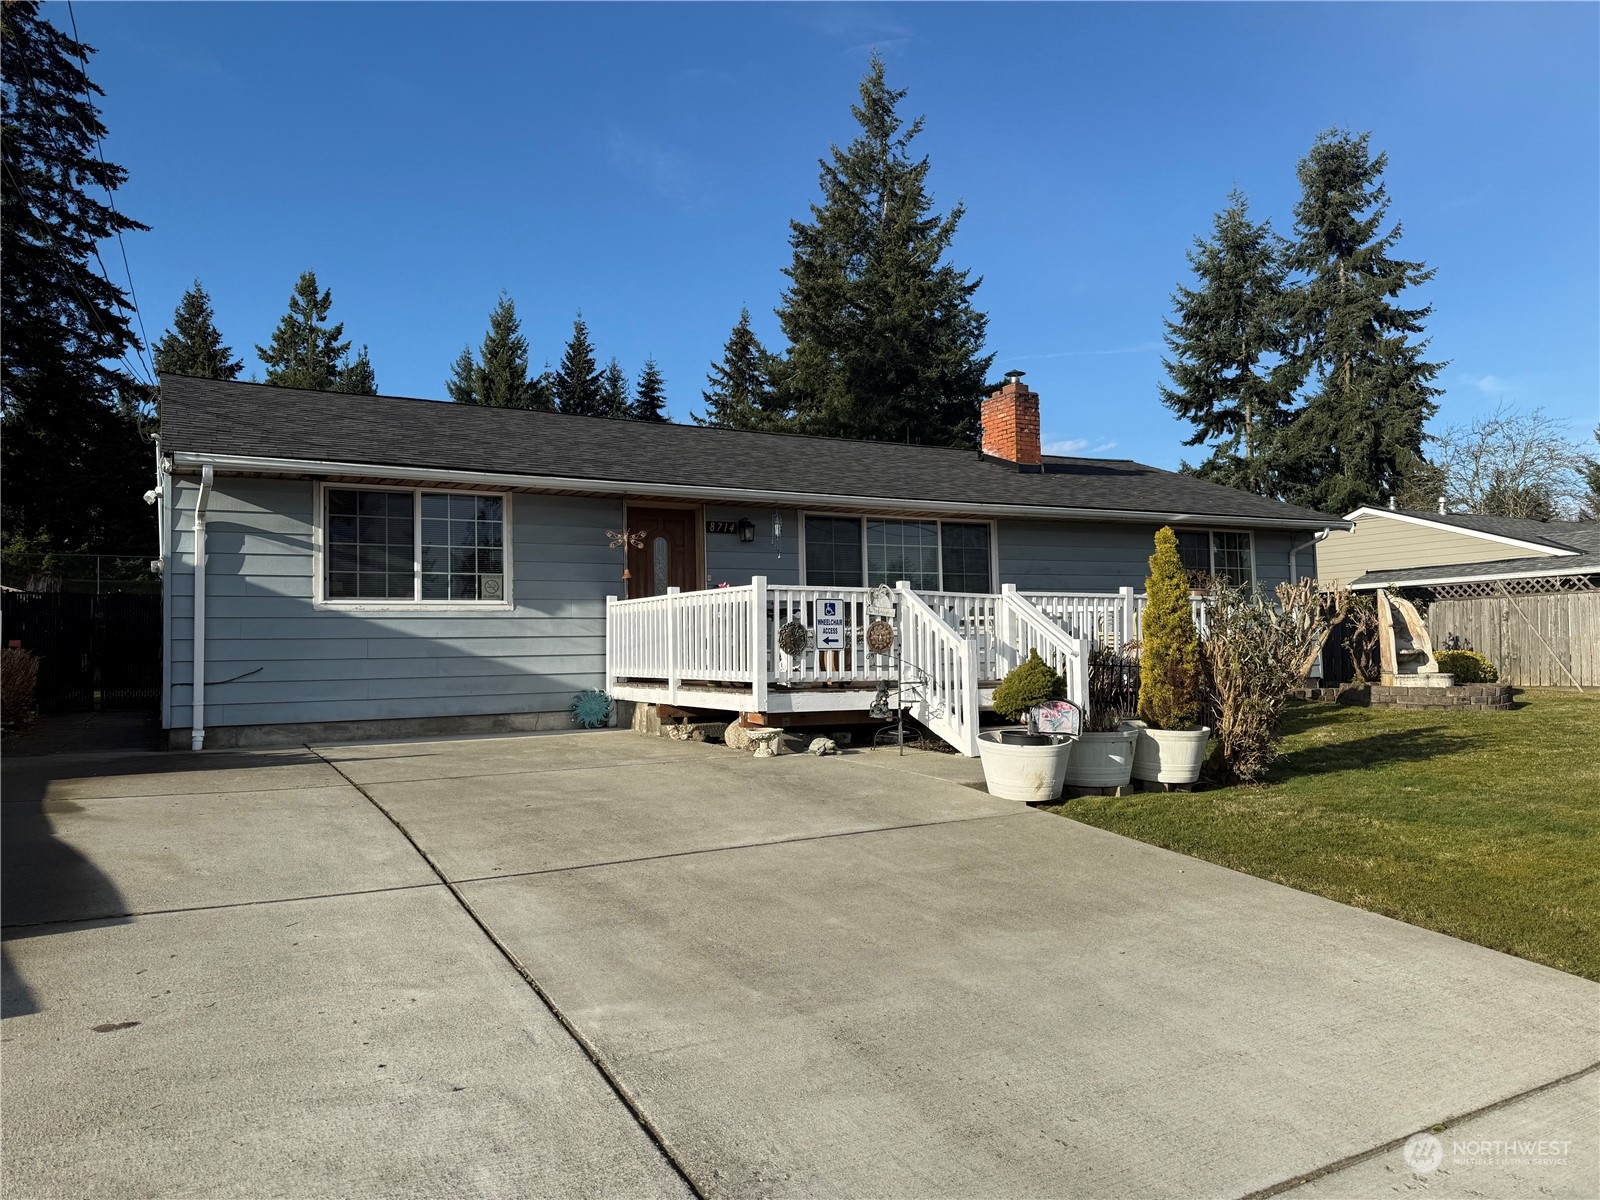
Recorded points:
(618, 1089)
(1393, 1144)
(811, 837)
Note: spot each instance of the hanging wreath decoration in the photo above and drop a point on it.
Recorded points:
(880, 636)
(793, 638)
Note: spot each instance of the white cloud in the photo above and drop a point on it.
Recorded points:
(1065, 446)
(1490, 385)
(668, 174)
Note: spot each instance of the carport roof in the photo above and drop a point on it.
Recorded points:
(233, 423)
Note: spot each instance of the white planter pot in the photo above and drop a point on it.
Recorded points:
(1169, 755)
(1014, 771)
(1102, 759)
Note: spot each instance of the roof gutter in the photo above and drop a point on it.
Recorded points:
(297, 466)
(197, 703)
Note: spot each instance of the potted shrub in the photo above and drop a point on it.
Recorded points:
(1021, 763)
(1102, 757)
(1172, 742)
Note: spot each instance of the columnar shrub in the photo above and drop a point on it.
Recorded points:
(1169, 660)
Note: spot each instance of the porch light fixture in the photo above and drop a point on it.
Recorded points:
(747, 530)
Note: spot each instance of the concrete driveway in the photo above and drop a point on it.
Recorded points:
(599, 964)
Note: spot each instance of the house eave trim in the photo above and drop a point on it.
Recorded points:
(596, 487)
(1539, 548)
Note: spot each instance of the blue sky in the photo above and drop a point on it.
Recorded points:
(642, 163)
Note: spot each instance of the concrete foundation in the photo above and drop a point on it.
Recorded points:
(233, 737)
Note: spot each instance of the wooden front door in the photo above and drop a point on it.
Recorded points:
(670, 555)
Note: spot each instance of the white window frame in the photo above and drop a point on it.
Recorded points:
(941, 522)
(1211, 550)
(319, 554)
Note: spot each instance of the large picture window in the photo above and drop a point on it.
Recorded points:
(951, 556)
(1207, 552)
(413, 545)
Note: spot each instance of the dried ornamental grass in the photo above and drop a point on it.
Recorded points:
(1256, 653)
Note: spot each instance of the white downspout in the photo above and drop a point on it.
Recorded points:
(197, 735)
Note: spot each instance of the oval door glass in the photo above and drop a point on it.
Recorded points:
(658, 566)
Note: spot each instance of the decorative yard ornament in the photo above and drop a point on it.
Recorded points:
(793, 638)
(880, 636)
(881, 602)
(1404, 646)
(591, 708)
(628, 539)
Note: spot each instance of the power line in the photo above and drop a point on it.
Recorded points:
(88, 305)
(100, 150)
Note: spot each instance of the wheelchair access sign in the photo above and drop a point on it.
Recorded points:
(830, 624)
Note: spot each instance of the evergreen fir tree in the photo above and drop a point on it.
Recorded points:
(614, 399)
(884, 340)
(1360, 430)
(499, 378)
(576, 384)
(356, 375)
(1230, 377)
(463, 383)
(305, 351)
(650, 396)
(739, 390)
(71, 454)
(193, 346)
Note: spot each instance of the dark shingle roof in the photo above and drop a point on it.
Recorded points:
(251, 420)
(1559, 535)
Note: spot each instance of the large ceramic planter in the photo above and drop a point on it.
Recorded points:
(1018, 765)
(1102, 760)
(1168, 755)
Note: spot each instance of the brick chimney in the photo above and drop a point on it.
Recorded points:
(1011, 423)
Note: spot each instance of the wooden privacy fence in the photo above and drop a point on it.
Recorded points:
(1551, 640)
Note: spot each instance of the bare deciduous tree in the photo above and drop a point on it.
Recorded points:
(1510, 463)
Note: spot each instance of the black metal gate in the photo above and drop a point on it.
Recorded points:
(94, 652)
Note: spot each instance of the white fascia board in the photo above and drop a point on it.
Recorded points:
(1365, 583)
(1537, 547)
(772, 497)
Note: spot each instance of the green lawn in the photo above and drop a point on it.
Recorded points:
(1482, 825)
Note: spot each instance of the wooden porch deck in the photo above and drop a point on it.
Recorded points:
(720, 649)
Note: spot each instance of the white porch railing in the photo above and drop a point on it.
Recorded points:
(724, 643)
(942, 668)
(1024, 629)
(1105, 618)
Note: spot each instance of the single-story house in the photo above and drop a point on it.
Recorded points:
(1524, 593)
(372, 565)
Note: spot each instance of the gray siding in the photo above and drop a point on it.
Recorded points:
(1081, 556)
(273, 658)
(735, 563)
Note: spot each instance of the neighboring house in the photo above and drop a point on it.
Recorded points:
(374, 565)
(1524, 593)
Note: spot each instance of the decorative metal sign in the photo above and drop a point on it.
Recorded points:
(1059, 716)
(880, 636)
(793, 638)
